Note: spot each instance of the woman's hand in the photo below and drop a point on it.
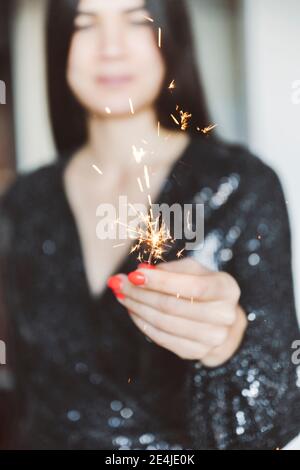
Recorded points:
(185, 308)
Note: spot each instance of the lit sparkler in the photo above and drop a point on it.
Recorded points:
(153, 239)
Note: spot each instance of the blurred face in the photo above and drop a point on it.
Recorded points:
(114, 56)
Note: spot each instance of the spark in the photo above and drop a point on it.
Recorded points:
(179, 253)
(138, 153)
(140, 185)
(175, 120)
(98, 170)
(146, 174)
(184, 119)
(172, 85)
(158, 128)
(177, 295)
(131, 106)
(129, 380)
(119, 245)
(159, 37)
(108, 110)
(207, 129)
(149, 19)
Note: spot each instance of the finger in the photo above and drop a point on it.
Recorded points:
(217, 312)
(210, 286)
(209, 335)
(187, 265)
(183, 348)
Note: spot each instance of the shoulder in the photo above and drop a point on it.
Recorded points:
(26, 206)
(30, 190)
(216, 160)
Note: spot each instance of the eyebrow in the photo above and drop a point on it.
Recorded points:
(127, 11)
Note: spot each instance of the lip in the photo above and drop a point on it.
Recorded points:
(117, 80)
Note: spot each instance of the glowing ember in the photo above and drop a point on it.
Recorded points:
(184, 119)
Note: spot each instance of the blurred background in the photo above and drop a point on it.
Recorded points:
(249, 55)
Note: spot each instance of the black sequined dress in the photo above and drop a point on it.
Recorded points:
(89, 379)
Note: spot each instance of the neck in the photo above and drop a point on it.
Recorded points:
(112, 139)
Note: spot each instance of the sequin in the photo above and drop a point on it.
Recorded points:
(49, 247)
(81, 368)
(146, 438)
(74, 415)
(126, 413)
(116, 405)
(114, 422)
(95, 379)
(252, 316)
(254, 259)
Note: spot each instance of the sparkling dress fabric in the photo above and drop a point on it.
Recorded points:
(87, 378)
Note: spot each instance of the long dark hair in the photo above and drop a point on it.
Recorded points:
(67, 115)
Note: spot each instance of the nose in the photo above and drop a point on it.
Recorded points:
(112, 39)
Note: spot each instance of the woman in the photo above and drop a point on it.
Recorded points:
(202, 360)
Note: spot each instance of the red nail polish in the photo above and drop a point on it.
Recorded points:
(119, 295)
(146, 266)
(137, 278)
(115, 283)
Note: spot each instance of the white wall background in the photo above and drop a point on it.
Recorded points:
(249, 51)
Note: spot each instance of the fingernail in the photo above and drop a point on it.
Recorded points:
(115, 283)
(119, 295)
(137, 278)
(146, 266)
